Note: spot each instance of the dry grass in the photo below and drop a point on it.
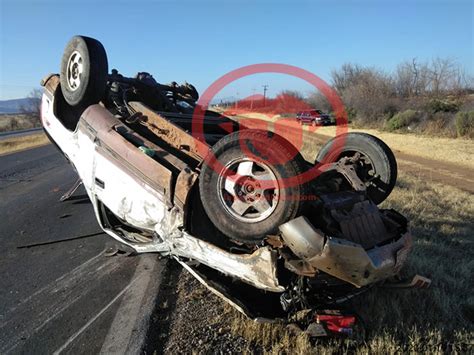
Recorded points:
(13, 122)
(435, 320)
(458, 151)
(11, 145)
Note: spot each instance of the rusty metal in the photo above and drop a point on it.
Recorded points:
(169, 132)
(67, 195)
(184, 184)
(344, 167)
(50, 84)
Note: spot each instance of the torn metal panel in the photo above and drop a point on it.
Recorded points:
(214, 290)
(350, 262)
(343, 259)
(257, 269)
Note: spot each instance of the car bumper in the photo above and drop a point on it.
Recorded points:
(351, 263)
(343, 259)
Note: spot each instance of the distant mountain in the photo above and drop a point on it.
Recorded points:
(16, 105)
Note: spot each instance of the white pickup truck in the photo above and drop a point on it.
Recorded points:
(269, 247)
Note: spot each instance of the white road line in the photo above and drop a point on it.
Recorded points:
(127, 332)
(92, 320)
(77, 271)
(51, 304)
(129, 318)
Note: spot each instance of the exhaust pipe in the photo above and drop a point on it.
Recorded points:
(302, 238)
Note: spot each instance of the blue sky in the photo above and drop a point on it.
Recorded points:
(200, 41)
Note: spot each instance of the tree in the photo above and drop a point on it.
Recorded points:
(411, 78)
(367, 91)
(318, 101)
(347, 76)
(33, 103)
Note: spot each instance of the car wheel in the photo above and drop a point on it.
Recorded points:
(84, 71)
(246, 197)
(377, 166)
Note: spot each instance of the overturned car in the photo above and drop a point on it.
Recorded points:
(230, 216)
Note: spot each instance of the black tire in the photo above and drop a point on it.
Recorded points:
(378, 154)
(87, 87)
(267, 151)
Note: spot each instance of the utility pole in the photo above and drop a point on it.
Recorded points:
(253, 96)
(265, 88)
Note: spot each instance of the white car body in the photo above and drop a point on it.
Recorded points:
(144, 206)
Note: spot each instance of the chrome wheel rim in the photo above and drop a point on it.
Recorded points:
(248, 190)
(74, 71)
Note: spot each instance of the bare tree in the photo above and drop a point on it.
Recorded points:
(319, 101)
(447, 76)
(412, 78)
(293, 93)
(365, 90)
(33, 104)
(347, 76)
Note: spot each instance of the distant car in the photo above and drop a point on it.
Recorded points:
(313, 117)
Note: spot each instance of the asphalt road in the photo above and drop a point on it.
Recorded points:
(65, 295)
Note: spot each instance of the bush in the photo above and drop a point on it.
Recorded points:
(351, 114)
(437, 105)
(402, 120)
(465, 124)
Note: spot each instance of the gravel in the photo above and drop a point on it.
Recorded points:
(191, 319)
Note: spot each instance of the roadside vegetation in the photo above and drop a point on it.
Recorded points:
(458, 151)
(15, 144)
(15, 122)
(28, 117)
(434, 98)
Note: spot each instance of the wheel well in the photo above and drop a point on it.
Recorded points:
(199, 225)
(69, 116)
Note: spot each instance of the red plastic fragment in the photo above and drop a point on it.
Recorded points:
(337, 323)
